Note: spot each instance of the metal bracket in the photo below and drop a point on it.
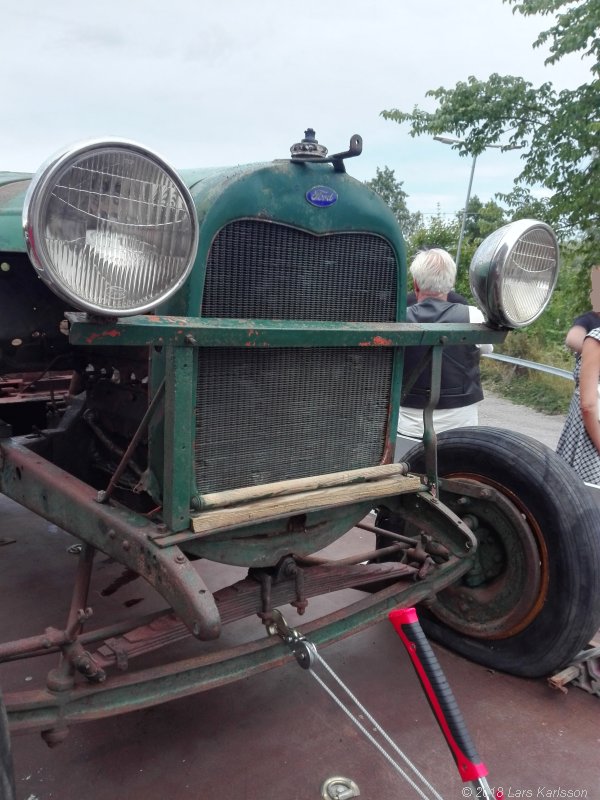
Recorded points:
(310, 150)
(338, 788)
(304, 651)
(429, 435)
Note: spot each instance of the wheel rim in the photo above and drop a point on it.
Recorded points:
(506, 588)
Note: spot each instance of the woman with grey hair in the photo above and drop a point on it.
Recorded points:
(434, 273)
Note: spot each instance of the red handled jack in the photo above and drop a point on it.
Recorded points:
(442, 702)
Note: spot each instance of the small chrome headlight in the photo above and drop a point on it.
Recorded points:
(110, 227)
(514, 271)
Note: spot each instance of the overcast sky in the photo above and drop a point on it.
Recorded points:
(230, 82)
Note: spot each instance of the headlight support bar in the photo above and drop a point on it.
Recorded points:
(226, 332)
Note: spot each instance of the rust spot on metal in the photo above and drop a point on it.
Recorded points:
(93, 336)
(388, 453)
(376, 341)
(16, 388)
(169, 318)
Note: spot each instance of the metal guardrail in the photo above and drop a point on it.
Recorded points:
(520, 362)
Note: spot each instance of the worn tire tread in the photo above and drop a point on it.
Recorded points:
(570, 522)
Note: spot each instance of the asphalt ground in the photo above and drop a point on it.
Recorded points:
(278, 735)
(501, 413)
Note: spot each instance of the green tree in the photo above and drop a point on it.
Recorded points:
(559, 129)
(482, 219)
(390, 189)
(524, 205)
(437, 232)
(440, 232)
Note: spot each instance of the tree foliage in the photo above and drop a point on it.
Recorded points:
(482, 219)
(558, 129)
(575, 29)
(439, 232)
(390, 189)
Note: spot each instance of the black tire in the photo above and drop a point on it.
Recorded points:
(7, 778)
(558, 609)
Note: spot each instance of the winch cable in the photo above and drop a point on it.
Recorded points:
(378, 746)
(307, 656)
(471, 768)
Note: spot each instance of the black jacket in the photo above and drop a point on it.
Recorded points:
(461, 383)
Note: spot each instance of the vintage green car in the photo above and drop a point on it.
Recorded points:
(205, 368)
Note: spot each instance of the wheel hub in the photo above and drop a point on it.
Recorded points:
(504, 590)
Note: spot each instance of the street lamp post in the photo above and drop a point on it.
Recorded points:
(461, 235)
(451, 140)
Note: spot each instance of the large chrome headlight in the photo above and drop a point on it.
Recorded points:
(110, 227)
(514, 271)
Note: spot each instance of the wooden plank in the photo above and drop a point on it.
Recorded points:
(247, 494)
(224, 519)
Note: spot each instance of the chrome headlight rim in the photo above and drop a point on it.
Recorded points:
(36, 200)
(489, 263)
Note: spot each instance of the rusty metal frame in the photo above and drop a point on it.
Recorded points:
(216, 332)
(35, 482)
(73, 505)
(178, 338)
(429, 434)
(179, 485)
(44, 488)
(53, 711)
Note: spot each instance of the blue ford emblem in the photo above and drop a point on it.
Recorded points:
(321, 196)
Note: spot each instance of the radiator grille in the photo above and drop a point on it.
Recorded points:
(268, 415)
(276, 414)
(261, 270)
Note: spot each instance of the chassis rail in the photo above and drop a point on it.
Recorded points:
(53, 711)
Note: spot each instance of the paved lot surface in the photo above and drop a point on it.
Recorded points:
(499, 412)
(277, 736)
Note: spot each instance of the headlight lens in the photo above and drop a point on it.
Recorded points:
(110, 227)
(514, 271)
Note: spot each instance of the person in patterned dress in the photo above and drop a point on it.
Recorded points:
(583, 324)
(579, 442)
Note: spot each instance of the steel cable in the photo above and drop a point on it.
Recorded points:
(377, 727)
